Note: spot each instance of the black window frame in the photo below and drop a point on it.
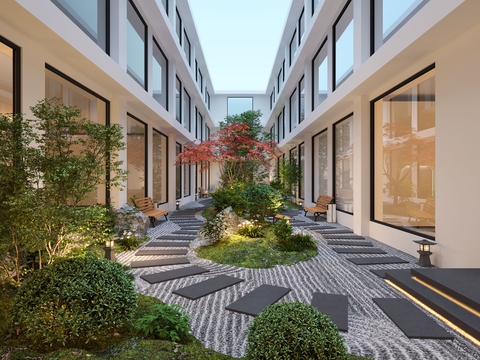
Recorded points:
(167, 70)
(300, 99)
(179, 22)
(302, 175)
(313, 162)
(301, 26)
(187, 41)
(17, 78)
(293, 95)
(145, 65)
(324, 43)
(334, 50)
(185, 92)
(177, 147)
(292, 42)
(146, 149)
(178, 117)
(167, 186)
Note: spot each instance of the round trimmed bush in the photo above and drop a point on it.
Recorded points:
(262, 200)
(293, 330)
(74, 300)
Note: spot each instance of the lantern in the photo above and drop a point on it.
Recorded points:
(424, 252)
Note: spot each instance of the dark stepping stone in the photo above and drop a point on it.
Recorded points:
(190, 228)
(414, 323)
(359, 251)
(257, 300)
(176, 237)
(378, 260)
(333, 231)
(185, 232)
(335, 306)
(350, 243)
(349, 237)
(168, 244)
(380, 273)
(207, 287)
(161, 252)
(159, 262)
(189, 223)
(174, 274)
(319, 227)
(307, 224)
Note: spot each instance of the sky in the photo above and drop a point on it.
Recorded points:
(240, 40)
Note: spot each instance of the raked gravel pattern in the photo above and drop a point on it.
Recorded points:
(371, 333)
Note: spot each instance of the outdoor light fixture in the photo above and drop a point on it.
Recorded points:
(178, 205)
(300, 204)
(196, 196)
(110, 249)
(424, 252)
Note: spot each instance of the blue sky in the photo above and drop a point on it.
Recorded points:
(240, 40)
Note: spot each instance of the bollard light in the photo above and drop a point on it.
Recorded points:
(300, 204)
(177, 204)
(424, 252)
(110, 249)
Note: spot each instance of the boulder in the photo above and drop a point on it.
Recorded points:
(129, 218)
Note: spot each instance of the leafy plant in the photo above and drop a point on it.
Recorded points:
(282, 230)
(214, 228)
(262, 200)
(166, 323)
(293, 330)
(230, 196)
(252, 231)
(290, 176)
(130, 242)
(297, 242)
(74, 300)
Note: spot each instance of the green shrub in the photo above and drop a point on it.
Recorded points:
(214, 228)
(165, 323)
(130, 242)
(293, 330)
(229, 196)
(282, 230)
(297, 242)
(253, 231)
(74, 301)
(262, 200)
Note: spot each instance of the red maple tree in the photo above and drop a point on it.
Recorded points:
(233, 148)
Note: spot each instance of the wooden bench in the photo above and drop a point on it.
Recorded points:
(280, 216)
(203, 193)
(428, 213)
(146, 206)
(321, 206)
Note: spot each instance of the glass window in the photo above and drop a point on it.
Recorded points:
(281, 125)
(301, 109)
(293, 47)
(178, 100)
(200, 80)
(314, 5)
(199, 125)
(320, 165)
(89, 15)
(293, 111)
(136, 45)
(391, 15)
(136, 166)
(187, 48)
(301, 159)
(237, 106)
(178, 27)
(271, 100)
(404, 161)
(301, 27)
(343, 136)
(320, 75)
(165, 5)
(208, 100)
(178, 173)
(160, 167)
(6, 79)
(343, 45)
(186, 180)
(186, 110)
(92, 106)
(280, 77)
(160, 75)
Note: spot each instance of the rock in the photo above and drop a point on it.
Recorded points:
(130, 219)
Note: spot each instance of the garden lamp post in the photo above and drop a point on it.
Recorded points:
(110, 249)
(424, 252)
(300, 205)
(177, 204)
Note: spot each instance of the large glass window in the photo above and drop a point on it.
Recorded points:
(165, 5)
(391, 15)
(293, 111)
(301, 159)
(343, 137)
(293, 47)
(89, 15)
(160, 75)
(178, 173)
(160, 167)
(280, 77)
(281, 125)
(187, 179)
(187, 48)
(178, 27)
(136, 162)
(7, 81)
(343, 45)
(186, 111)
(301, 108)
(404, 156)
(199, 126)
(320, 165)
(301, 27)
(136, 45)
(92, 106)
(237, 106)
(320, 75)
(314, 5)
(178, 100)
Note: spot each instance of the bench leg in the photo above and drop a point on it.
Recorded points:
(152, 221)
(166, 217)
(305, 212)
(316, 216)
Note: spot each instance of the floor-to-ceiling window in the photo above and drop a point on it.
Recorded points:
(320, 75)
(91, 16)
(187, 180)
(320, 165)
(343, 169)
(159, 75)
(404, 155)
(178, 173)
(136, 45)
(343, 45)
(160, 166)
(136, 158)
(93, 107)
(178, 100)
(301, 164)
(9, 82)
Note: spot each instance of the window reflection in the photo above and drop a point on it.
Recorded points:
(320, 75)
(6, 79)
(159, 75)
(343, 47)
(344, 165)
(160, 169)
(136, 150)
(136, 45)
